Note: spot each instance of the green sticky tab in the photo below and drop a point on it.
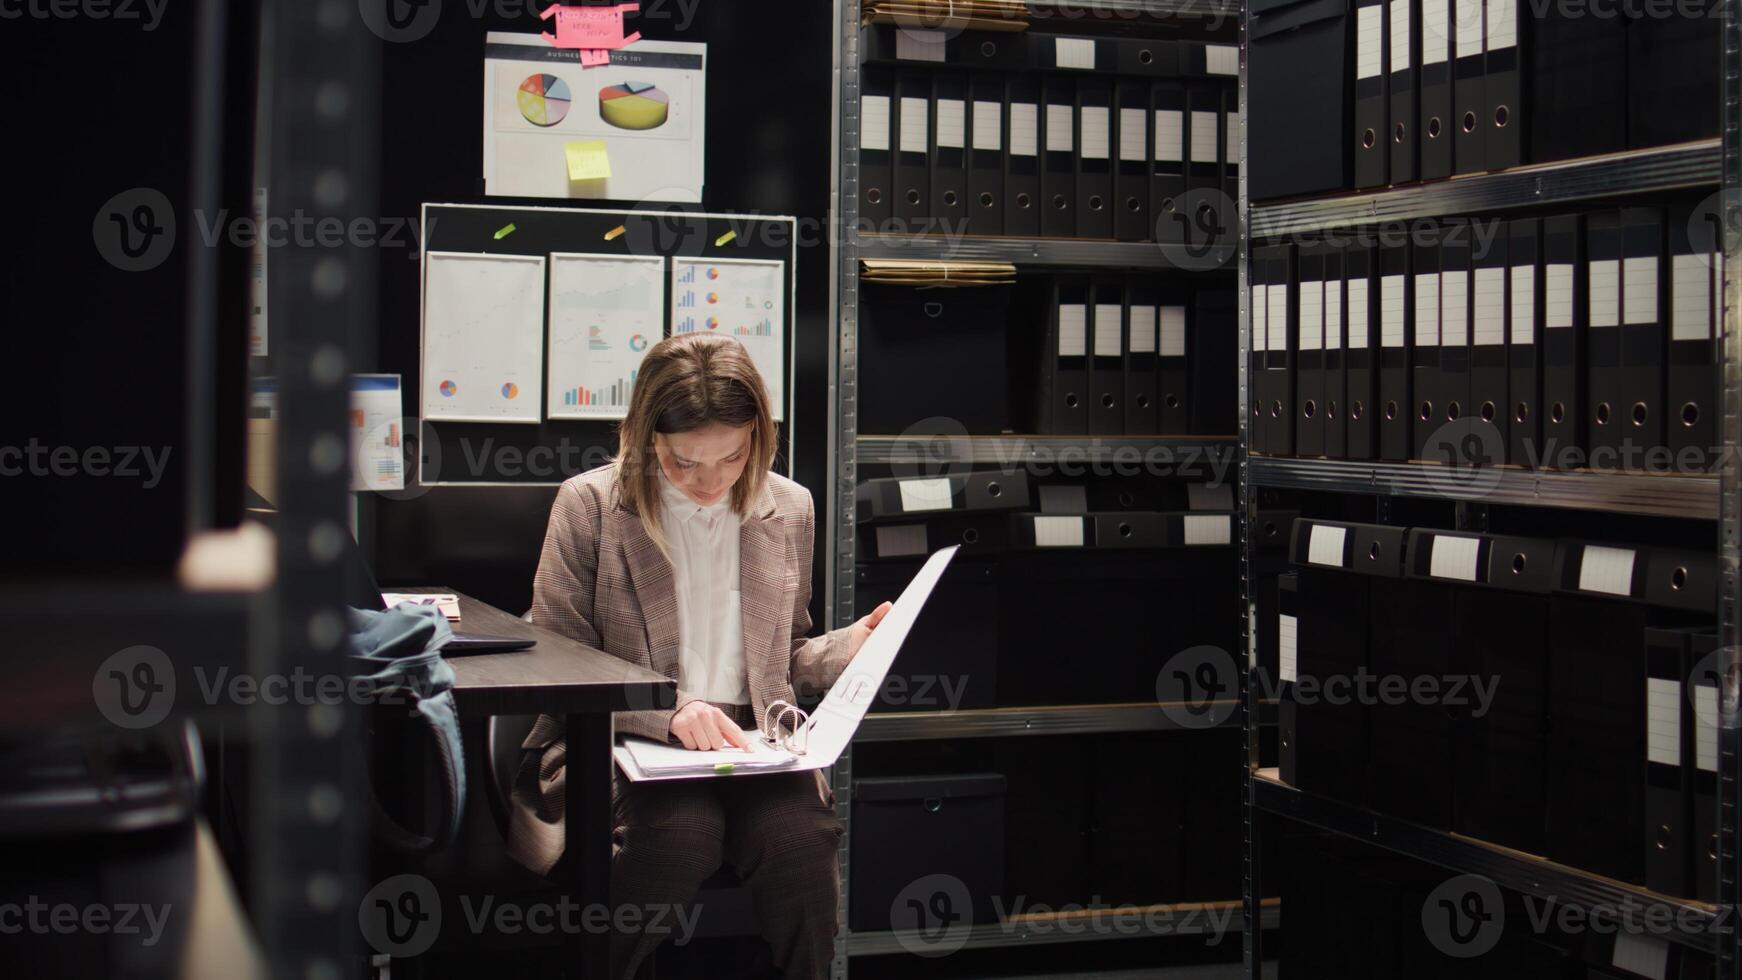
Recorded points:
(723, 239)
(723, 768)
(505, 231)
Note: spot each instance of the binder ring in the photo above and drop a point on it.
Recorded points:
(775, 732)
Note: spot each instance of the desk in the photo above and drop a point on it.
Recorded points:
(562, 677)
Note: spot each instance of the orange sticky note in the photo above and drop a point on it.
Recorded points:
(588, 160)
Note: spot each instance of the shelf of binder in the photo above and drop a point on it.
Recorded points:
(949, 15)
(1051, 253)
(1075, 719)
(1154, 8)
(1630, 172)
(1184, 454)
(1648, 494)
(1689, 923)
(928, 273)
(1125, 922)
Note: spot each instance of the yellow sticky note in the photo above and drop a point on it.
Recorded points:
(588, 160)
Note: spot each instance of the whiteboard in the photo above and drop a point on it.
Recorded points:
(740, 298)
(483, 333)
(605, 311)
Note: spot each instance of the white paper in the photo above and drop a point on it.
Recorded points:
(917, 45)
(1109, 328)
(1170, 135)
(1523, 304)
(1639, 289)
(1173, 331)
(1288, 647)
(1075, 52)
(1231, 150)
(1097, 132)
(1276, 308)
(1706, 727)
(1455, 308)
(1391, 311)
(1260, 317)
(1400, 33)
(988, 126)
(1427, 309)
(1312, 315)
(1066, 499)
(1140, 329)
(874, 122)
(1073, 330)
(1468, 23)
(1059, 122)
(952, 123)
(1206, 529)
(924, 495)
(1358, 311)
(648, 759)
(1204, 139)
(605, 312)
(1607, 570)
(1024, 129)
(1557, 295)
(377, 433)
(1221, 59)
(1057, 532)
(1605, 293)
(1325, 545)
(1642, 955)
(740, 298)
(1663, 721)
(1502, 24)
(915, 127)
(1369, 41)
(1453, 557)
(899, 540)
(1333, 314)
(1490, 308)
(483, 337)
(1690, 298)
(1436, 31)
(524, 158)
(1134, 135)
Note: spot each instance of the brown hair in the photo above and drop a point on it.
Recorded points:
(684, 383)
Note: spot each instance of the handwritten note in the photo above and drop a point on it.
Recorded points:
(588, 160)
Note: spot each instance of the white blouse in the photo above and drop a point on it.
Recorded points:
(703, 543)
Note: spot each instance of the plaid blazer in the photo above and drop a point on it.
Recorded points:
(602, 581)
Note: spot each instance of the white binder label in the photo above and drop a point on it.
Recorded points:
(1455, 309)
(1260, 318)
(988, 126)
(1221, 59)
(1204, 142)
(1277, 317)
(1639, 290)
(1059, 119)
(1523, 304)
(1646, 956)
(1706, 727)
(1170, 136)
(1173, 331)
(1288, 647)
(1607, 570)
(1453, 557)
(1312, 315)
(1134, 135)
(896, 540)
(1436, 31)
(874, 122)
(1557, 296)
(1606, 293)
(1490, 309)
(914, 128)
(1073, 330)
(1690, 298)
(1400, 32)
(1108, 329)
(1391, 311)
(917, 45)
(1358, 325)
(1064, 500)
(952, 123)
(1427, 309)
(921, 495)
(1502, 24)
(1058, 532)
(1663, 721)
(1207, 529)
(1097, 132)
(1325, 545)
(1369, 41)
(1333, 314)
(1024, 129)
(1075, 52)
(1140, 329)
(1468, 16)
(1231, 147)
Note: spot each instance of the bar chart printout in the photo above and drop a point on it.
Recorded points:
(741, 298)
(605, 311)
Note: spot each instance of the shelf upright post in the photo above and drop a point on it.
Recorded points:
(1252, 711)
(1730, 495)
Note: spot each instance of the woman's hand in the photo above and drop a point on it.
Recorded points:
(861, 630)
(699, 725)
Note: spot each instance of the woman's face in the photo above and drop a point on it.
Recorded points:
(704, 463)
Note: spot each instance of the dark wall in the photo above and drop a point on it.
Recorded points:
(768, 150)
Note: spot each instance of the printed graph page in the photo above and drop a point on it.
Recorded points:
(740, 298)
(605, 311)
(483, 333)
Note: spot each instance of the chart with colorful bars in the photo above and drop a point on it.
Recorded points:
(603, 310)
(740, 298)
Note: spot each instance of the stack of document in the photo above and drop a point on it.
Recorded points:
(954, 15)
(917, 272)
(446, 602)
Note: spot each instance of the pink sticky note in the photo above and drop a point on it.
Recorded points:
(594, 57)
(598, 28)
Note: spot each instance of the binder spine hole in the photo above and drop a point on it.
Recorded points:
(1309, 408)
(1518, 564)
(1398, 134)
(912, 196)
(874, 195)
(1373, 552)
(1433, 128)
(1357, 410)
(1330, 410)
(933, 310)
(988, 48)
(1501, 117)
(994, 490)
(986, 200)
(1059, 203)
(1640, 413)
(1023, 202)
(1133, 205)
(950, 199)
(1142, 401)
(1390, 411)
(1557, 413)
(1145, 56)
(1108, 401)
(1469, 122)
(1488, 411)
(1095, 203)
(1270, 529)
(1690, 414)
(1603, 413)
(1126, 499)
(1664, 837)
(1070, 401)
(1276, 410)
(1678, 579)
(1167, 205)
(1125, 530)
(1521, 412)
(970, 536)
(933, 804)
(1368, 138)
(1427, 411)
(1173, 401)
(1453, 412)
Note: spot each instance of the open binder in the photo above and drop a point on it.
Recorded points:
(788, 739)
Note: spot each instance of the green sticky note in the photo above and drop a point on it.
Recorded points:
(587, 160)
(505, 231)
(723, 768)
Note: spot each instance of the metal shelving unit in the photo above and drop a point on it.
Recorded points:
(1044, 253)
(1189, 453)
(1186, 919)
(1077, 719)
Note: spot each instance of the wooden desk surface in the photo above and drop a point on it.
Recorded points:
(557, 676)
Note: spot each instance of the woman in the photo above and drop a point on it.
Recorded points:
(687, 556)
